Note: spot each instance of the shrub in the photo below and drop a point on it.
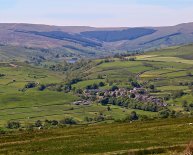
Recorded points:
(54, 122)
(135, 84)
(152, 87)
(2, 75)
(41, 87)
(94, 86)
(101, 84)
(30, 85)
(13, 125)
(132, 96)
(69, 121)
(51, 122)
(38, 123)
(133, 116)
(113, 88)
(99, 118)
(105, 101)
(164, 113)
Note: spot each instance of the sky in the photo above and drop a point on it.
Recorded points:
(97, 13)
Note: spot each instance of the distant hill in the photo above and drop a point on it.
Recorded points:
(29, 41)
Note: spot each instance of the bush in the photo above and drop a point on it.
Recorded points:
(152, 87)
(38, 123)
(94, 86)
(133, 116)
(41, 87)
(13, 125)
(105, 101)
(135, 84)
(164, 113)
(132, 96)
(113, 88)
(51, 122)
(2, 75)
(69, 121)
(88, 119)
(99, 118)
(30, 85)
(54, 122)
(101, 84)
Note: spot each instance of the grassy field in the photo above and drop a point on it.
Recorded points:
(159, 137)
(32, 104)
(165, 69)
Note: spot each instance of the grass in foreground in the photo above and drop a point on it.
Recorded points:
(101, 139)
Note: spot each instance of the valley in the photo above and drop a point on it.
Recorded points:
(95, 77)
(169, 75)
(98, 97)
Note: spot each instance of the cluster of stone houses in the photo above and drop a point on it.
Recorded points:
(81, 103)
(139, 94)
(142, 95)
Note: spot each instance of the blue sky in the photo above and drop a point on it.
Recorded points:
(99, 13)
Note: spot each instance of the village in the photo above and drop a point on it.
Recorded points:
(139, 94)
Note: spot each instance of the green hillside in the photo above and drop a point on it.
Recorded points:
(152, 137)
(55, 106)
(167, 70)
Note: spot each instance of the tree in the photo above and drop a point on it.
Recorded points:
(88, 119)
(164, 113)
(133, 116)
(101, 84)
(41, 87)
(113, 88)
(13, 125)
(152, 87)
(105, 101)
(135, 84)
(173, 114)
(1, 75)
(30, 85)
(38, 123)
(69, 121)
(95, 86)
(184, 104)
(109, 108)
(132, 95)
(99, 118)
(54, 122)
(79, 91)
(89, 87)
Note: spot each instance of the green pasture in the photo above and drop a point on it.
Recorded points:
(165, 59)
(159, 137)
